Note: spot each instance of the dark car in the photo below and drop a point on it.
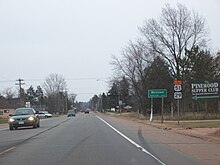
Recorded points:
(87, 111)
(71, 113)
(23, 117)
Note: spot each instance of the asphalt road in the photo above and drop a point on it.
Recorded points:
(87, 139)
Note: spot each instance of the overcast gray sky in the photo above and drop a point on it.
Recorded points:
(76, 38)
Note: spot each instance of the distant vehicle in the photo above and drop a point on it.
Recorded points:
(44, 114)
(71, 113)
(23, 117)
(86, 111)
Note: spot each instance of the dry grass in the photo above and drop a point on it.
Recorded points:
(187, 123)
(197, 124)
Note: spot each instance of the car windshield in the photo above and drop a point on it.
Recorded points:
(71, 111)
(23, 112)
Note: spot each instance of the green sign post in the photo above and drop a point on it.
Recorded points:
(156, 93)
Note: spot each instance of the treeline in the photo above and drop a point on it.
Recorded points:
(172, 47)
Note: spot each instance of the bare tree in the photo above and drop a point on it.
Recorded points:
(8, 93)
(72, 98)
(176, 31)
(55, 87)
(135, 58)
(54, 84)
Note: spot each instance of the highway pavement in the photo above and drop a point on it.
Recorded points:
(87, 139)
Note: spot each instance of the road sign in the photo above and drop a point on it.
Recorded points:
(177, 88)
(205, 89)
(177, 95)
(204, 97)
(28, 104)
(157, 93)
(120, 102)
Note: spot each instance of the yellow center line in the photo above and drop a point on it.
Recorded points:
(7, 150)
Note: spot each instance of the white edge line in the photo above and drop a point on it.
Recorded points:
(132, 142)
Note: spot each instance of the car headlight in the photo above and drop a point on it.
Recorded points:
(11, 120)
(31, 118)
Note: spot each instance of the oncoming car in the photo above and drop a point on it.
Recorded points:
(71, 113)
(23, 117)
(87, 111)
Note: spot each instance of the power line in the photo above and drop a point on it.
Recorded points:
(5, 81)
(69, 79)
(3, 77)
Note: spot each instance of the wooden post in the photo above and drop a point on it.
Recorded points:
(219, 106)
(206, 106)
(171, 109)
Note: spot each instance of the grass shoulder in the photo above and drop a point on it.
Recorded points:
(186, 121)
(3, 120)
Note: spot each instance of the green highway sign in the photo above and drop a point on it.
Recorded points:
(204, 97)
(157, 93)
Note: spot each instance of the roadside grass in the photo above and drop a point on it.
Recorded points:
(190, 116)
(195, 124)
(168, 117)
(189, 120)
(56, 115)
(3, 120)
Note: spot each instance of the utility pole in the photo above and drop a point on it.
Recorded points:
(20, 83)
(66, 101)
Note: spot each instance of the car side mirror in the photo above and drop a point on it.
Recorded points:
(10, 115)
